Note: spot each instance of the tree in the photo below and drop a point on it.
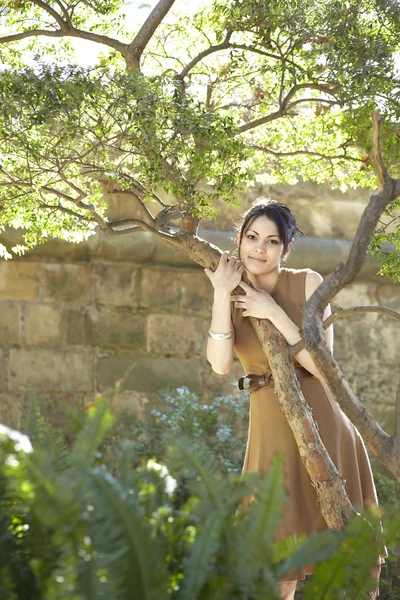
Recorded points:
(265, 90)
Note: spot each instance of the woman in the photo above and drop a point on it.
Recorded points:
(265, 239)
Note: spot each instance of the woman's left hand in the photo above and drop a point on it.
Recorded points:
(256, 303)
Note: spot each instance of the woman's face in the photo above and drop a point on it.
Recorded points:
(261, 248)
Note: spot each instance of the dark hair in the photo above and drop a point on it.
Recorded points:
(279, 213)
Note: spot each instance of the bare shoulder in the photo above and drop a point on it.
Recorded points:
(313, 281)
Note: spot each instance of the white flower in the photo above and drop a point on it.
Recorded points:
(22, 442)
(169, 481)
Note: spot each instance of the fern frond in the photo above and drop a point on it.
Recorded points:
(194, 461)
(46, 437)
(98, 421)
(133, 557)
(201, 557)
(318, 547)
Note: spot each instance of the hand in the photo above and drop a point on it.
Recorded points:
(256, 303)
(228, 274)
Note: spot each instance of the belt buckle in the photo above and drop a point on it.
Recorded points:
(253, 382)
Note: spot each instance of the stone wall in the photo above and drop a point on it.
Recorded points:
(74, 320)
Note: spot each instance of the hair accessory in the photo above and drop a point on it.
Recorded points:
(219, 336)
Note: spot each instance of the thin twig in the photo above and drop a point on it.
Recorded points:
(343, 313)
(308, 152)
(284, 106)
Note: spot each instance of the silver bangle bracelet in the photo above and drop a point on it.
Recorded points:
(219, 336)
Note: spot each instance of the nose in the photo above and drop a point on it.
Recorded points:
(260, 247)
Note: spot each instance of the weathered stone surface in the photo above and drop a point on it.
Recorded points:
(356, 294)
(174, 335)
(42, 325)
(116, 285)
(11, 406)
(9, 323)
(67, 283)
(197, 291)
(221, 385)
(389, 296)
(129, 401)
(61, 408)
(159, 288)
(50, 370)
(148, 374)
(19, 280)
(374, 385)
(121, 329)
(2, 371)
(80, 327)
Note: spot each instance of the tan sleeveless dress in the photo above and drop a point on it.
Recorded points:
(269, 431)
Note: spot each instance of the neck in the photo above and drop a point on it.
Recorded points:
(265, 282)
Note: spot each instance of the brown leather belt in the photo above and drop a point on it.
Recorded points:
(257, 381)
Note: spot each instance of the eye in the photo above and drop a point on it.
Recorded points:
(250, 236)
(274, 241)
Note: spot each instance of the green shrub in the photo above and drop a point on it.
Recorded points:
(119, 530)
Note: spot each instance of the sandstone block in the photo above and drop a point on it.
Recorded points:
(40, 369)
(60, 409)
(159, 288)
(389, 296)
(9, 324)
(129, 401)
(80, 328)
(148, 374)
(67, 283)
(42, 325)
(11, 410)
(2, 371)
(197, 291)
(221, 385)
(357, 294)
(121, 329)
(172, 335)
(116, 285)
(20, 280)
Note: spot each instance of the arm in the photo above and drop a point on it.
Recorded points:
(220, 352)
(225, 279)
(292, 333)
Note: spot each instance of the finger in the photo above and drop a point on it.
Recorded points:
(207, 272)
(245, 286)
(224, 257)
(240, 305)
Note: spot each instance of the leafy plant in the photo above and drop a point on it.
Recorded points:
(98, 535)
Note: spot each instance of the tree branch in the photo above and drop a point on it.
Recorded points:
(216, 48)
(145, 33)
(380, 168)
(307, 152)
(66, 30)
(342, 313)
(381, 444)
(396, 434)
(56, 16)
(131, 225)
(284, 105)
(60, 208)
(31, 33)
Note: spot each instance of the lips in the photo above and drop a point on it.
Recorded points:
(259, 260)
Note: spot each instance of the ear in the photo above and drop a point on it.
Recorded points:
(286, 254)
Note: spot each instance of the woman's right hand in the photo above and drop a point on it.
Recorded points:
(227, 275)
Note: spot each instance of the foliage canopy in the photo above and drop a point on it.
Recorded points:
(200, 103)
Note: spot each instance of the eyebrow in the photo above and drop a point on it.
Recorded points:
(272, 235)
